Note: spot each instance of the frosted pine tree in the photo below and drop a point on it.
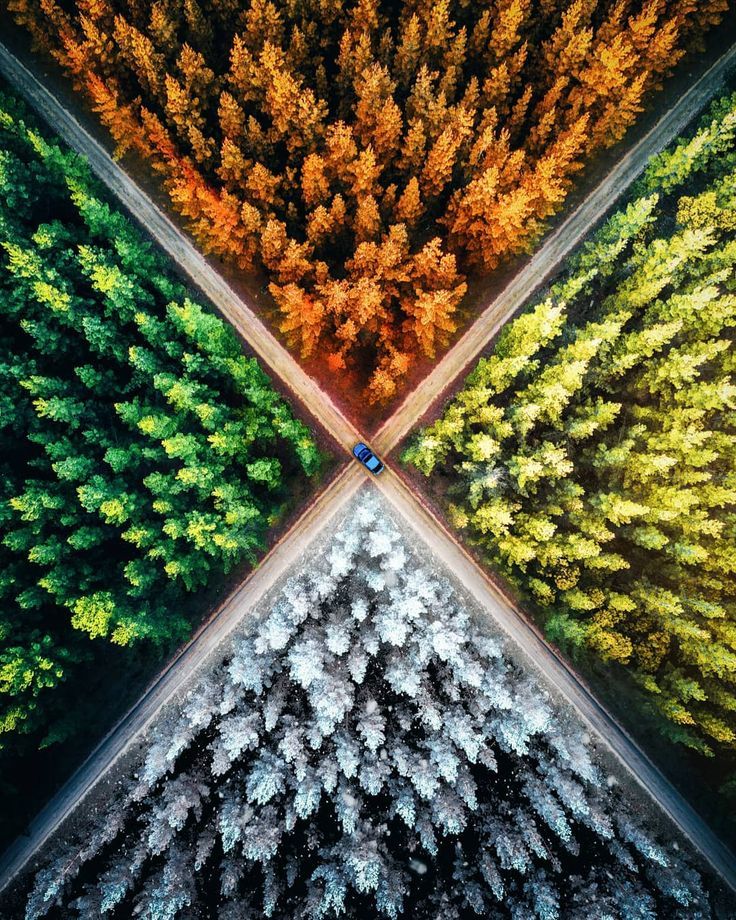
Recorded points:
(369, 746)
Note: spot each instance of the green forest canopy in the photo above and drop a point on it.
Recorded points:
(592, 456)
(143, 454)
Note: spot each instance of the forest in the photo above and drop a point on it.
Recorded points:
(365, 155)
(144, 455)
(369, 744)
(591, 456)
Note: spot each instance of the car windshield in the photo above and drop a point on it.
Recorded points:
(372, 462)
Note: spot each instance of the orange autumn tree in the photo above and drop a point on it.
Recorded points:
(367, 155)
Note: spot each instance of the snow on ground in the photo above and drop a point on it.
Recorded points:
(368, 744)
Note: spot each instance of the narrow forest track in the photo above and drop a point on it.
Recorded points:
(405, 499)
(211, 634)
(181, 250)
(443, 378)
(554, 670)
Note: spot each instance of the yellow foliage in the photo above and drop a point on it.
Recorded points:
(329, 123)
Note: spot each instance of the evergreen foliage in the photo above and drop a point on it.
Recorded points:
(592, 455)
(143, 454)
(367, 747)
(358, 151)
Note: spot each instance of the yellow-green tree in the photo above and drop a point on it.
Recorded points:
(594, 452)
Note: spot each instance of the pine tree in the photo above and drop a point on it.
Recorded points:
(369, 745)
(592, 451)
(342, 121)
(146, 454)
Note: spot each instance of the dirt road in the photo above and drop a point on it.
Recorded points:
(288, 551)
(554, 670)
(175, 242)
(284, 556)
(550, 256)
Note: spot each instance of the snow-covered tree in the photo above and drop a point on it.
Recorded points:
(369, 746)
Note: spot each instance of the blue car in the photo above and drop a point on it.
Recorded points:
(367, 458)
